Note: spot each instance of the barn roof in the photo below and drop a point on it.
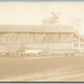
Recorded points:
(36, 28)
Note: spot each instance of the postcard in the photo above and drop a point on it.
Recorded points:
(42, 41)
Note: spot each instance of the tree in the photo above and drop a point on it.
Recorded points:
(53, 19)
(45, 22)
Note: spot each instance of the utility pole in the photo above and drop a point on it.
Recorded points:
(79, 30)
(79, 41)
(77, 23)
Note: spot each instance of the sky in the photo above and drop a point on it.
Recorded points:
(32, 13)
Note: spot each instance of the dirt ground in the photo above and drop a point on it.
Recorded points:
(42, 69)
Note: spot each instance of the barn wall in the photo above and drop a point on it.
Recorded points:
(14, 41)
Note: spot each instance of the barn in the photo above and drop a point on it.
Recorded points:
(43, 37)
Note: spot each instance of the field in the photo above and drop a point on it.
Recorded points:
(42, 69)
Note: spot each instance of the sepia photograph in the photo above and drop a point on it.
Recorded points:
(42, 41)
